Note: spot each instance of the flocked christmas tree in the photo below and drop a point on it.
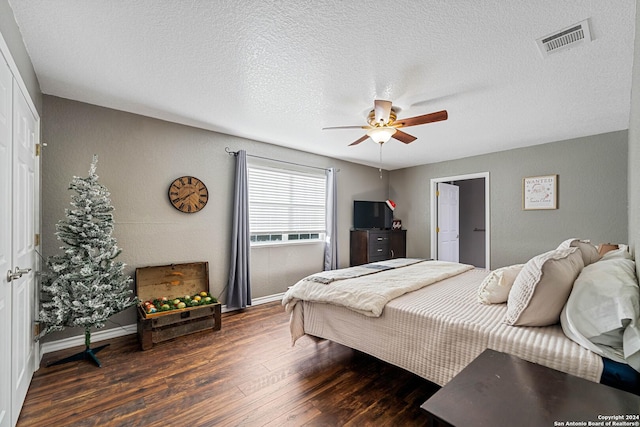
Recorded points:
(84, 285)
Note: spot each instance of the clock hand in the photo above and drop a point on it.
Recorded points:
(185, 197)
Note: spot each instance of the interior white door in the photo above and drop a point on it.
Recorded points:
(5, 242)
(23, 251)
(448, 222)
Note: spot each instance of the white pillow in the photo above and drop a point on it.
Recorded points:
(542, 288)
(589, 252)
(603, 310)
(495, 288)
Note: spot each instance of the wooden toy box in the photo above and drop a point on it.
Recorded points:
(174, 281)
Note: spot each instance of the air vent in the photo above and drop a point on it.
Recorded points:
(569, 37)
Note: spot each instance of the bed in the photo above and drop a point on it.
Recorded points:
(433, 326)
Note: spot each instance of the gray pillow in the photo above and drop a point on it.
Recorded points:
(542, 288)
(589, 252)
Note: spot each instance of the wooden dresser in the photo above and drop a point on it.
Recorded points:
(377, 245)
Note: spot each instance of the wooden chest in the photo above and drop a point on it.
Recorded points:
(168, 283)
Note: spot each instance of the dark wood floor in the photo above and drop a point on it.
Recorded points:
(246, 374)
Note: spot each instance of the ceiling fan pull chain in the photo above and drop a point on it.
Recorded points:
(380, 168)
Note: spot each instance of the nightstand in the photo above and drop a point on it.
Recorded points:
(498, 389)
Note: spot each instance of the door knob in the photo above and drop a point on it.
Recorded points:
(11, 276)
(17, 273)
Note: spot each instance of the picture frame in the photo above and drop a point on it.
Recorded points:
(540, 192)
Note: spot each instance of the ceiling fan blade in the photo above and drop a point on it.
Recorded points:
(403, 137)
(347, 127)
(358, 141)
(382, 109)
(421, 120)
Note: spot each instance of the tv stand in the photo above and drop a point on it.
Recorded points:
(377, 245)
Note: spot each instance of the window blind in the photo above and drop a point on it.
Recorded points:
(284, 201)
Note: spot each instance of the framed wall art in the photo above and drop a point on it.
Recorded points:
(540, 192)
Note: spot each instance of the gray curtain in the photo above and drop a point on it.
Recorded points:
(331, 243)
(239, 286)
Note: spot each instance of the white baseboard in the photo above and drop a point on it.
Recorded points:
(96, 336)
(121, 331)
(264, 300)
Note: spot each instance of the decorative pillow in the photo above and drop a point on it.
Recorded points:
(603, 310)
(542, 288)
(589, 252)
(495, 288)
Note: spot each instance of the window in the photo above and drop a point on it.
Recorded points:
(285, 206)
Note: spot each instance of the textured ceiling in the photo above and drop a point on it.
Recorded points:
(280, 71)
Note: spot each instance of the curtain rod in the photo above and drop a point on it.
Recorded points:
(234, 153)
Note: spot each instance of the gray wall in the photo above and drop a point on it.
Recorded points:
(138, 159)
(592, 196)
(634, 147)
(13, 38)
(472, 221)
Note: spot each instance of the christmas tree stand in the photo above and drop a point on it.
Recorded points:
(88, 353)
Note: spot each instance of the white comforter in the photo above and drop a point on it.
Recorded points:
(369, 294)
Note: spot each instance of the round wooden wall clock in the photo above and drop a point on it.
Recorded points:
(188, 194)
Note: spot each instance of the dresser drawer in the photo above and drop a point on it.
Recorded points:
(379, 249)
(378, 237)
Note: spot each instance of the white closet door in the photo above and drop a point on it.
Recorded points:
(448, 222)
(23, 251)
(5, 242)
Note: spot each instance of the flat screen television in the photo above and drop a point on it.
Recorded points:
(369, 215)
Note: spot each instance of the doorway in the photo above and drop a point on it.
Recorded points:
(474, 219)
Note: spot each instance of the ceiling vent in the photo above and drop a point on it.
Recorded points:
(564, 39)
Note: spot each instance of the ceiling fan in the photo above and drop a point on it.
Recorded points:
(384, 124)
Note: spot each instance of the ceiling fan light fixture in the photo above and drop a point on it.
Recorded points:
(383, 124)
(381, 134)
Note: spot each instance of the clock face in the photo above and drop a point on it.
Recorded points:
(188, 194)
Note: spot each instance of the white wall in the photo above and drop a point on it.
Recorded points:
(12, 37)
(634, 147)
